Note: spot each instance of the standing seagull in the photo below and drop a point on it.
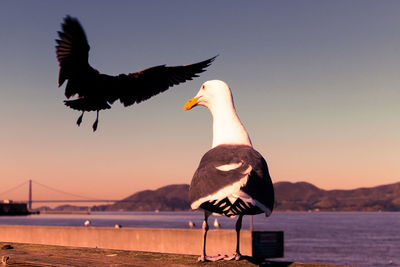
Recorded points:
(232, 178)
(97, 91)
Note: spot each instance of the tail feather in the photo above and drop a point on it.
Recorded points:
(85, 105)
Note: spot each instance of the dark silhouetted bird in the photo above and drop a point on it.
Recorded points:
(96, 91)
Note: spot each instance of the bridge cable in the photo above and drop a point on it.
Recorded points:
(12, 189)
(60, 191)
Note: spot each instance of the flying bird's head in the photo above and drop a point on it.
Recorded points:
(211, 94)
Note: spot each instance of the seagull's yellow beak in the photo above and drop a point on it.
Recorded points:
(191, 103)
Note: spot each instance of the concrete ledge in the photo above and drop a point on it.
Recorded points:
(177, 241)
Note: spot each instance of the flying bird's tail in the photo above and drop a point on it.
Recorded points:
(83, 104)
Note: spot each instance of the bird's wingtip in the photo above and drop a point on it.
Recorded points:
(68, 17)
(213, 58)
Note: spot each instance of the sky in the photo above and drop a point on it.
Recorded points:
(315, 83)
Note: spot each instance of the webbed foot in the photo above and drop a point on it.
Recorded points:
(236, 256)
(211, 258)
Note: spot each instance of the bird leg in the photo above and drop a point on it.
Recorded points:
(79, 121)
(238, 256)
(96, 122)
(205, 227)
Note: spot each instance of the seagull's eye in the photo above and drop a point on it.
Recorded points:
(203, 87)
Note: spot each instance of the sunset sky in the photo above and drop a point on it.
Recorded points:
(316, 84)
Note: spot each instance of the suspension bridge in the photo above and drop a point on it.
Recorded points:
(30, 200)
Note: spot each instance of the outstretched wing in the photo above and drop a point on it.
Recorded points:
(140, 86)
(72, 53)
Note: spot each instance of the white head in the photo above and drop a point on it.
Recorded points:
(211, 94)
(217, 97)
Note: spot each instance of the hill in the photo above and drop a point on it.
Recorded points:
(300, 196)
(304, 196)
(167, 198)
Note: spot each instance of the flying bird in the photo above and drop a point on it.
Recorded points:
(232, 178)
(96, 91)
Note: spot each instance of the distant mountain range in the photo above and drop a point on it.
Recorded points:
(304, 196)
(300, 196)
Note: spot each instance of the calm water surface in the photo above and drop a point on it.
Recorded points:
(347, 238)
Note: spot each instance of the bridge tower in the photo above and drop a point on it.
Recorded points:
(30, 195)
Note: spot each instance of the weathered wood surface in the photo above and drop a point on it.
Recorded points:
(45, 255)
